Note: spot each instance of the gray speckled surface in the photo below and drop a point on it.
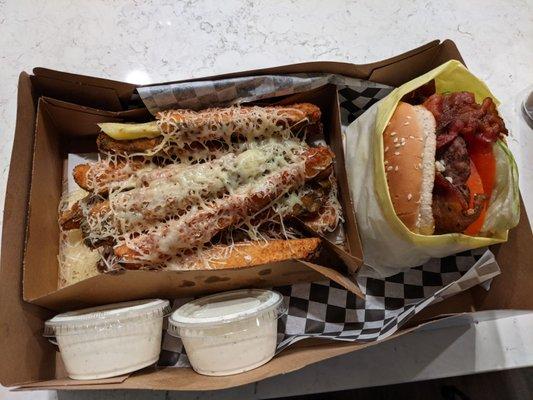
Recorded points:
(151, 41)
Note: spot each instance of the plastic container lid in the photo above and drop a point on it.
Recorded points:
(226, 307)
(106, 316)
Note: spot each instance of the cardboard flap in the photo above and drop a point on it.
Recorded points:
(447, 51)
(514, 288)
(411, 54)
(142, 284)
(405, 68)
(337, 277)
(78, 120)
(86, 90)
(353, 259)
(26, 356)
(67, 382)
(45, 191)
(351, 262)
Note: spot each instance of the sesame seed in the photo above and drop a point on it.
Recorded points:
(408, 117)
(397, 145)
(411, 137)
(393, 133)
(409, 197)
(395, 140)
(396, 153)
(420, 139)
(386, 149)
(388, 123)
(396, 168)
(386, 162)
(419, 165)
(389, 168)
(406, 123)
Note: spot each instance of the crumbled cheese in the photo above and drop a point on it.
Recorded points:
(439, 166)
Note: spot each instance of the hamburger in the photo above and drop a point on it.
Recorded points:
(440, 163)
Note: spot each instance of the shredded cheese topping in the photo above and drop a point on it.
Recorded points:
(243, 186)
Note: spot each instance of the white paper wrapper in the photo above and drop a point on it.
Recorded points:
(389, 246)
(223, 92)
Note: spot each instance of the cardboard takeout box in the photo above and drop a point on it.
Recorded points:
(56, 113)
(64, 128)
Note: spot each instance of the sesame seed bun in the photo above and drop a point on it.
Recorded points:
(409, 143)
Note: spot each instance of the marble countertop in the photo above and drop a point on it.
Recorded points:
(153, 41)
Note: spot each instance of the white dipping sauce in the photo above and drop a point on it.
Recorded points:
(229, 333)
(112, 340)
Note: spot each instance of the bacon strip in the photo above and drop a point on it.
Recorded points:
(199, 226)
(458, 114)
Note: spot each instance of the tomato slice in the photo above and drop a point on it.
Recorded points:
(485, 162)
(481, 180)
(475, 185)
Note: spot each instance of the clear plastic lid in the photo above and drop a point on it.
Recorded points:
(224, 308)
(108, 316)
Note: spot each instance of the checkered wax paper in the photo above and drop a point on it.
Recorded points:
(356, 95)
(327, 310)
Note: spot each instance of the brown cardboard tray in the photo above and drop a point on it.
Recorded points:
(65, 127)
(30, 359)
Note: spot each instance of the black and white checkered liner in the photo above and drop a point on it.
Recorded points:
(327, 310)
(356, 95)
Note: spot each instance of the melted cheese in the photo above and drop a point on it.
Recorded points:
(203, 221)
(171, 190)
(163, 203)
